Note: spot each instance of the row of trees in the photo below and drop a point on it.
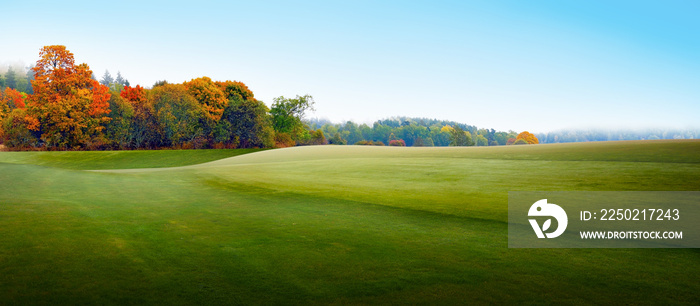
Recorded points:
(68, 108)
(418, 132)
(614, 135)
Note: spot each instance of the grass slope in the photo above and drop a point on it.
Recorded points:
(82, 160)
(331, 224)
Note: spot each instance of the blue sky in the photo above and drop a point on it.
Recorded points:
(520, 65)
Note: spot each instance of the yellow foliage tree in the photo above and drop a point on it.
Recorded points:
(209, 95)
(447, 129)
(529, 137)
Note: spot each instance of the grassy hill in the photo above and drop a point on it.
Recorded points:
(329, 224)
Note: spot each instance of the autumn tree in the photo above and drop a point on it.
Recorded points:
(209, 95)
(11, 99)
(528, 137)
(135, 95)
(235, 90)
(145, 132)
(15, 132)
(69, 106)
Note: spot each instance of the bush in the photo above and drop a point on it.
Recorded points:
(317, 138)
(520, 142)
(369, 143)
(397, 143)
(283, 140)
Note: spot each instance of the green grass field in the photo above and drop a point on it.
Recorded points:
(326, 224)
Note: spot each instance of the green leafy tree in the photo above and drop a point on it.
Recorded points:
(481, 141)
(11, 78)
(381, 132)
(287, 114)
(419, 142)
(353, 132)
(116, 88)
(29, 77)
(119, 129)
(460, 137)
(21, 84)
(337, 140)
(249, 124)
(179, 114)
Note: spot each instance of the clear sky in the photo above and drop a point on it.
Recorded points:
(520, 65)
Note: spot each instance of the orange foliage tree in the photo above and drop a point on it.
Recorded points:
(529, 137)
(209, 95)
(69, 106)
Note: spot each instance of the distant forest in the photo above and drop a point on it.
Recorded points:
(59, 105)
(612, 134)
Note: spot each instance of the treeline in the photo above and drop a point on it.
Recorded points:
(64, 107)
(613, 135)
(416, 132)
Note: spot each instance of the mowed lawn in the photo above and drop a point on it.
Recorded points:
(325, 224)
